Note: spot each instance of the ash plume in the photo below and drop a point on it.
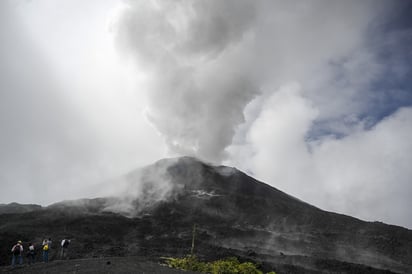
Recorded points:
(201, 77)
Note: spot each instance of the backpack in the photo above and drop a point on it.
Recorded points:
(46, 247)
(16, 250)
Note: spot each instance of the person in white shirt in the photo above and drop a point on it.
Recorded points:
(64, 245)
(31, 254)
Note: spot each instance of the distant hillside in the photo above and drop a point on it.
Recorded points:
(18, 208)
(235, 215)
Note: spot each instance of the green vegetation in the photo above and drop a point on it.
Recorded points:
(226, 266)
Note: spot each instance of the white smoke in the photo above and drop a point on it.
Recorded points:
(200, 68)
(365, 174)
(143, 188)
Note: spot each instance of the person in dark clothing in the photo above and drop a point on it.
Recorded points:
(31, 254)
(17, 251)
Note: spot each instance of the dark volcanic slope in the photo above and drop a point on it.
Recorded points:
(136, 265)
(234, 215)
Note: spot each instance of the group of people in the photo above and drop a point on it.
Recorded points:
(17, 251)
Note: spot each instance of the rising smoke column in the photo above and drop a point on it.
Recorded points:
(200, 69)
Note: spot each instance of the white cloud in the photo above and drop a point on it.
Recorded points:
(275, 150)
(365, 174)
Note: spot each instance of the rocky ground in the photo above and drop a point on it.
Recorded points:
(138, 265)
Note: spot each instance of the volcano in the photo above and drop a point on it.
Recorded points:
(234, 215)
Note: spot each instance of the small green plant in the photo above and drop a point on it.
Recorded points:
(188, 263)
(227, 266)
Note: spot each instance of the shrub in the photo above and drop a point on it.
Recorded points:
(227, 266)
(188, 263)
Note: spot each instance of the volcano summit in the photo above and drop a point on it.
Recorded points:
(235, 215)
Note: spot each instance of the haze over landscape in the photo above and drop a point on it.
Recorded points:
(311, 97)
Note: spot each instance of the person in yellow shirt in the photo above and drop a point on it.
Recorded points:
(46, 251)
